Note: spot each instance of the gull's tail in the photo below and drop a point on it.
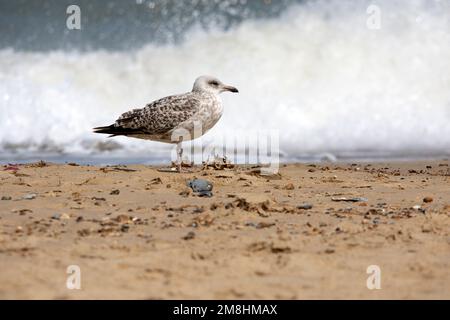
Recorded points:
(111, 130)
(114, 130)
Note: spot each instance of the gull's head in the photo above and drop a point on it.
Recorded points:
(211, 85)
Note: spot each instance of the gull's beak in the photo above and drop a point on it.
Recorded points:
(230, 88)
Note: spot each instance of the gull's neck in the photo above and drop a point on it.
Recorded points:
(203, 91)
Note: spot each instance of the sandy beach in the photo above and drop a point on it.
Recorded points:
(310, 231)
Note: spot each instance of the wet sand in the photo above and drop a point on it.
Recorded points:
(136, 232)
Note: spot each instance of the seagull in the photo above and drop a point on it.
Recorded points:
(175, 118)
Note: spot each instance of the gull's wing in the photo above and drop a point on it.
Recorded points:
(158, 117)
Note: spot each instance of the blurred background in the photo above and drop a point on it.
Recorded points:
(333, 86)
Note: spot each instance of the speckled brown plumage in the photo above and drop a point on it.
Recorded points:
(159, 119)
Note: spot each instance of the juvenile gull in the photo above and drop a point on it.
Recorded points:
(176, 118)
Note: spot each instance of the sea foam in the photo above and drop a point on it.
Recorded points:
(318, 75)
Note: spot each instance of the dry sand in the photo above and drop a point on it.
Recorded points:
(139, 233)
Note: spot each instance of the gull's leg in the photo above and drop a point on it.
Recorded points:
(179, 154)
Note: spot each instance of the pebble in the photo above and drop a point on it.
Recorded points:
(418, 208)
(84, 232)
(355, 199)
(428, 199)
(250, 224)
(190, 235)
(156, 180)
(289, 186)
(73, 164)
(115, 192)
(305, 206)
(65, 216)
(186, 192)
(201, 187)
(262, 225)
(123, 218)
(427, 228)
(6, 198)
(29, 196)
(56, 216)
(23, 212)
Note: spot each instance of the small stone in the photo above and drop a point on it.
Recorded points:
(428, 199)
(84, 232)
(125, 227)
(289, 186)
(6, 198)
(29, 196)
(185, 193)
(305, 206)
(190, 235)
(65, 216)
(115, 192)
(391, 237)
(201, 187)
(156, 181)
(23, 212)
(262, 225)
(278, 247)
(98, 199)
(355, 199)
(417, 207)
(427, 228)
(56, 216)
(122, 218)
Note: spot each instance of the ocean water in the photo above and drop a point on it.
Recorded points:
(319, 73)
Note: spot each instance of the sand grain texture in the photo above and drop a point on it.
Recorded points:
(139, 233)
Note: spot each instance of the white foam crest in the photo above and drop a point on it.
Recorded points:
(317, 74)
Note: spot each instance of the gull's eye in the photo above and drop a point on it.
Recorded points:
(214, 83)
